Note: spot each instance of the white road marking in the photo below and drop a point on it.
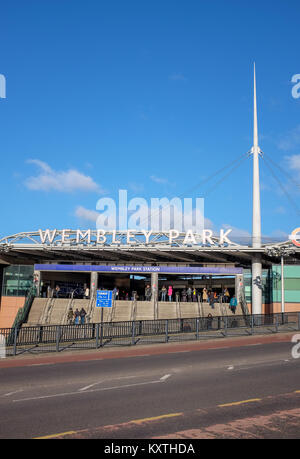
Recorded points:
(11, 393)
(164, 378)
(124, 386)
(103, 380)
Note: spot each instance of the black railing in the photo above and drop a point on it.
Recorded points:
(57, 338)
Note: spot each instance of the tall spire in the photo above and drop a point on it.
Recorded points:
(256, 218)
(255, 130)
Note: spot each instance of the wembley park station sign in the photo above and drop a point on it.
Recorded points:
(89, 237)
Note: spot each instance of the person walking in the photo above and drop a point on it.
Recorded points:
(204, 295)
(170, 292)
(233, 304)
(211, 297)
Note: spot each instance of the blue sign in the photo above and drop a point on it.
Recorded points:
(104, 299)
(142, 269)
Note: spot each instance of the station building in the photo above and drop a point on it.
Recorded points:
(63, 263)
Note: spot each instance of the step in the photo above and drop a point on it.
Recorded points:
(167, 310)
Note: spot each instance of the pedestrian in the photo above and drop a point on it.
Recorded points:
(183, 295)
(189, 294)
(49, 291)
(76, 316)
(233, 304)
(87, 293)
(163, 293)
(211, 297)
(148, 293)
(57, 290)
(194, 295)
(115, 293)
(226, 295)
(209, 321)
(170, 292)
(70, 316)
(204, 295)
(82, 316)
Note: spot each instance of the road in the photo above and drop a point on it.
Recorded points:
(243, 391)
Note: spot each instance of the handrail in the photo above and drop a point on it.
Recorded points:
(23, 312)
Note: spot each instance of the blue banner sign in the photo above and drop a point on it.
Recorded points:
(141, 269)
(104, 299)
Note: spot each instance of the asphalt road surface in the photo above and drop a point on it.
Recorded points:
(244, 391)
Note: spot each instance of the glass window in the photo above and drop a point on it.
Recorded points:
(17, 280)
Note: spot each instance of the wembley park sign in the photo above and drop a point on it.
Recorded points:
(100, 237)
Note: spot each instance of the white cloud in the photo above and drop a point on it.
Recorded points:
(86, 214)
(63, 181)
(160, 180)
(294, 163)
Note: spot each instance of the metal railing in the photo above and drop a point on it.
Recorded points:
(56, 338)
(23, 312)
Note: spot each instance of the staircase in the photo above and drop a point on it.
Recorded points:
(167, 310)
(189, 310)
(36, 311)
(53, 311)
(144, 310)
(122, 311)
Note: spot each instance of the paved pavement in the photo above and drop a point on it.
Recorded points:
(237, 388)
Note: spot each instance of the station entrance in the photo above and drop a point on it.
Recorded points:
(129, 286)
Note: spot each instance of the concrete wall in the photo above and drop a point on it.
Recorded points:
(9, 307)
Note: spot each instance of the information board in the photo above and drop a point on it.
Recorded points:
(104, 299)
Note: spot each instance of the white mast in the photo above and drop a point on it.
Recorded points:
(256, 217)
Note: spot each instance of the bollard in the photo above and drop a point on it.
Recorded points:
(15, 340)
(133, 334)
(276, 323)
(97, 335)
(57, 337)
(197, 328)
(225, 325)
(252, 325)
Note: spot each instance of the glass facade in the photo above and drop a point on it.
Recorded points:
(291, 283)
(271, 283)
(17, 280)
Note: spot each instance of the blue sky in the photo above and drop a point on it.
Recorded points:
(149, 96)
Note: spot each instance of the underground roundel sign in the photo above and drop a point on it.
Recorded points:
(295, 237)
